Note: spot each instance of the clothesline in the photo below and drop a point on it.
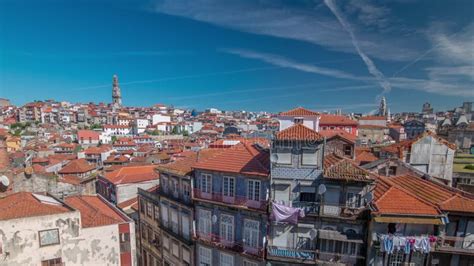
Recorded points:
(390, 243)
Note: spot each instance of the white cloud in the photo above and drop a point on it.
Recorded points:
(371, 67)
(288, 63)
(314, 25)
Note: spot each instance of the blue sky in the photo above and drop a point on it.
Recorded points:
(268, 55)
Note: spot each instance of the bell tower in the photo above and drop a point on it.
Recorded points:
(116, 93)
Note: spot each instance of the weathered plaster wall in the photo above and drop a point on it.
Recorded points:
(78, 246)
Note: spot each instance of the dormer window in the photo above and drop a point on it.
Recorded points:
(298, 120)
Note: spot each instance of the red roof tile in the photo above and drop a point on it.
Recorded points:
(242, 158)
(94, 211)
(86, 134)
(298, 132)
(77, 166)
(397, 201)
(299, 111)
(24, 204)
(340, 168)
(329, 134)
(132, 174)
(340, 120)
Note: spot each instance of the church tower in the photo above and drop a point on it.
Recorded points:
(383, 107)
(116, 94)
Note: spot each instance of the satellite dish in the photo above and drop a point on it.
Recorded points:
(312, 234)
(214, 218)
(4, 181)
(321, 189)
(274, 158)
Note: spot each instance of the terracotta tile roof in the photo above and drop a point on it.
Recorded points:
(398, 148)
(458, 203)
(97, 150)
(365, 156)
(77, 166)
(132, 174)
(299, 111)
(447, 198)
(329, 134)
(24, 204)
(242, 158)
(298, 132)
(128, 203)
(183, 165)
(94, 211)
(340, 168)
(397, 201)
(340, 120)
(86, 134)
(70, 179)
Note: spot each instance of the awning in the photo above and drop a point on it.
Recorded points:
(338, 236)
(407, 220)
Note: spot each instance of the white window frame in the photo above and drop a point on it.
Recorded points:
(252, 192)
(251, 233)
(249, 263)
(185, 226)
(226, 259)
(229, 190)
(206, 183)
(164, 213)
(204, 222)
(226, 228)
(205, 256)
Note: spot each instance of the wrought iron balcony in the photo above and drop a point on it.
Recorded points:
(237, 200)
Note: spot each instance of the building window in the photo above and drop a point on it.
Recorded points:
(52, 262)
(205, 256)
(249, 263)
(284, 157)
(48, 237)
(149, 209)
(150, 235)
(186, 255)
(228, 186)
(206, 183)
(164, 181)
(164, 214)
(143, 229)
(309, 157)
(175, 187)
(157, 213)
(251, 232)
(253, 190)
(174, 220)
(186, 191)
(226, 259)
(298, 120)
(353, 200)
(227, 228)
(204, 222)
(392, 170)
(124, 242)
(185, 225)
(142, 205)
(175, 249)
(166, 242)
(348, 150)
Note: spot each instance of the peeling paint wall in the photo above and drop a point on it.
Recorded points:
(78, 246)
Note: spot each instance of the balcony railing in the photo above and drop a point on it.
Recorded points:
(298, 254)
(310, 256)
(336, 210)
(456, 244)
(241, 201)
(236, 246)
